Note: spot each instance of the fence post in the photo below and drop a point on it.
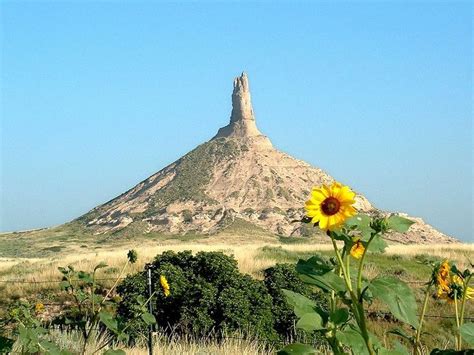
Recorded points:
(150, 309)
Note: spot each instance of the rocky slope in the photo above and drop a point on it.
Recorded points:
(238, 174)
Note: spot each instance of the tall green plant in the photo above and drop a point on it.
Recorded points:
(95, 308)
(344, 322)
(93, 312)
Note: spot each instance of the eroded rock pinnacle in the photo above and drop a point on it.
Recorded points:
(241, 101)
(242, 119)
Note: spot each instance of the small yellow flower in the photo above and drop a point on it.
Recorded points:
(39, 308)
(330, 205)
(357, 249)
(165, 286)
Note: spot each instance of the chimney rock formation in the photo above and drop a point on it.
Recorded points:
(242, 120)
(236, 178)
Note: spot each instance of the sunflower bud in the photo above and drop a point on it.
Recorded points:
(132, 256)
(379, 225)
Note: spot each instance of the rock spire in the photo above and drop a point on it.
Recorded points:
(242, 119)
(241, 101)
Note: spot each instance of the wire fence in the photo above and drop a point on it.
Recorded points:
(373, 313)
(121, 278)
(57, 281)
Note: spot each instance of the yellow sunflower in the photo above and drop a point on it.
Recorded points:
(165, 286)
(330, 205)
(443, 277)
(357, 249)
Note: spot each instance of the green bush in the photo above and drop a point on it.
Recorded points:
(187, 216)
(208, 294)
(284, 276)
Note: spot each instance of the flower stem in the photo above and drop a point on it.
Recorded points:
(348, 267)
(463, 304)
(341, 265)
(333, 301)
(417, 347)
(114, 285)
(458, 343)
(361, 266)
(357, 307)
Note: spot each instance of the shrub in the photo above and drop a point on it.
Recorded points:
(187, 216)
(208, 294)
(284, 276)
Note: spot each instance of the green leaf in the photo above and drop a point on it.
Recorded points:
(301, 304)
(148, 318)
(64, 285)
(123, 337)
(399, 224)
(115, 352)
(467, 332)
(400, 350)
(339, 316)
(140, 300)
(318, 271)
(310, 322)
(84, 276)
(367, 295)
(53, 349)
(316, 265)
(398, 296)
(352, 338)
(100, 266)
(81, 295)
(377, 245)
(327, 282)
(339, 235)
(359, 220)
(362, 223)
(297, 349)
(109, 321)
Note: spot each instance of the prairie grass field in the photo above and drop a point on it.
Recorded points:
(26, 275)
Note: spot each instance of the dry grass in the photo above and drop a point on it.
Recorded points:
(166, 345)
(460, 253)
(252, 259)
(46, 269)
(249, 258)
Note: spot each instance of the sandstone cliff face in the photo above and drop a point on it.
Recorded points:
(238, 174)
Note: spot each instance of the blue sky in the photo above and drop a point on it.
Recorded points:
(98, 96)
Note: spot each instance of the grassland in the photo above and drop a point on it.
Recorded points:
(25, 260)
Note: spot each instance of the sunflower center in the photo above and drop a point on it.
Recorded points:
(330, 206)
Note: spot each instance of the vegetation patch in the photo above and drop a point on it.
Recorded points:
(193, 172)
(207, 293)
